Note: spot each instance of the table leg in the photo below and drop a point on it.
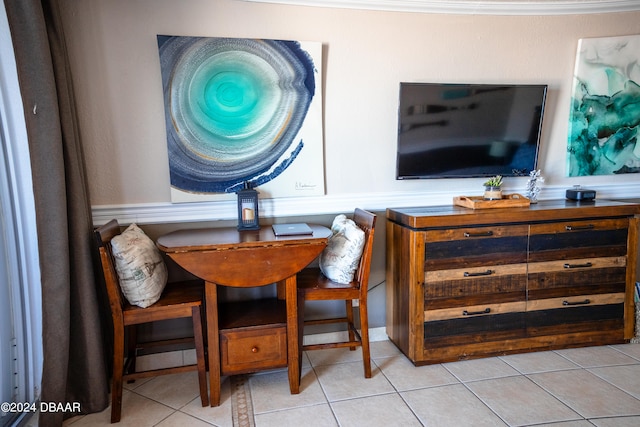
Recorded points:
(213, 345)
(293, 349)
(280, 288)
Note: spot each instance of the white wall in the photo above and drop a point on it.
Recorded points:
(115, 66)
(114, 59)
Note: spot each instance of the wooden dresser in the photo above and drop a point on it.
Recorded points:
(465, 283)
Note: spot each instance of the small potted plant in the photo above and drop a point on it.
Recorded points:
(493, 188)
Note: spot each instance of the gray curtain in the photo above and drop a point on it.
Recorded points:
(74, 368)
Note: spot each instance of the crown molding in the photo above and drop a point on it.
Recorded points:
(162, 213)
(475, 7)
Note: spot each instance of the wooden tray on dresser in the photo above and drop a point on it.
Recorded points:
(514, 200)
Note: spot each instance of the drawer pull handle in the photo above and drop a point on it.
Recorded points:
(481, 234)
(585, 302)
(585, 265)
(475, 313)
(579, 227)
(481, 273)
(255, 350)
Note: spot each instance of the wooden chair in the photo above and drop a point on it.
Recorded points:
(314, 286)
(178, 300)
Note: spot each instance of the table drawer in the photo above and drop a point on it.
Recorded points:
(253, 349)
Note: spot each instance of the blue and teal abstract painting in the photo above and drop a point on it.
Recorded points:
(605, 107)
(233, 109)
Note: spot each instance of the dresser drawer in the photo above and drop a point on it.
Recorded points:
(253, 349)
(471, 311)
(578, 239)
(474, 304)
(576, 318)
(575, 277)
(475, 246)
(504, 322)
(576, 297)
(471, 286)
(567, 302)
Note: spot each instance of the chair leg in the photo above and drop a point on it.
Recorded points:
(350, 322)
(300, 332)
(205, 333)
(300, 317)
(202, 369)
(118, 368)
(364, 335)
(132, 349)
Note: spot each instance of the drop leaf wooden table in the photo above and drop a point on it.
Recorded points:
(228, 257)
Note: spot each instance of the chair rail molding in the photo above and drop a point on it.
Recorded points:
(160, 213)
(475, 7)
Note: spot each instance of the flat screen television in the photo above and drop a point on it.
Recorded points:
(468, 130)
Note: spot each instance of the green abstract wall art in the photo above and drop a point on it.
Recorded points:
(242, 110)
(605, 107)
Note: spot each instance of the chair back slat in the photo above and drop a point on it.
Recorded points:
(104, 234)
(367, 222)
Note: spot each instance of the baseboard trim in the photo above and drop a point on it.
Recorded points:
(375, 334)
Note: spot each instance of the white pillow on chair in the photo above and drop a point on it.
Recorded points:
(339, 260)
(141, 270)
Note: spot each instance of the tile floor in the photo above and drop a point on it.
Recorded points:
(595, 386)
